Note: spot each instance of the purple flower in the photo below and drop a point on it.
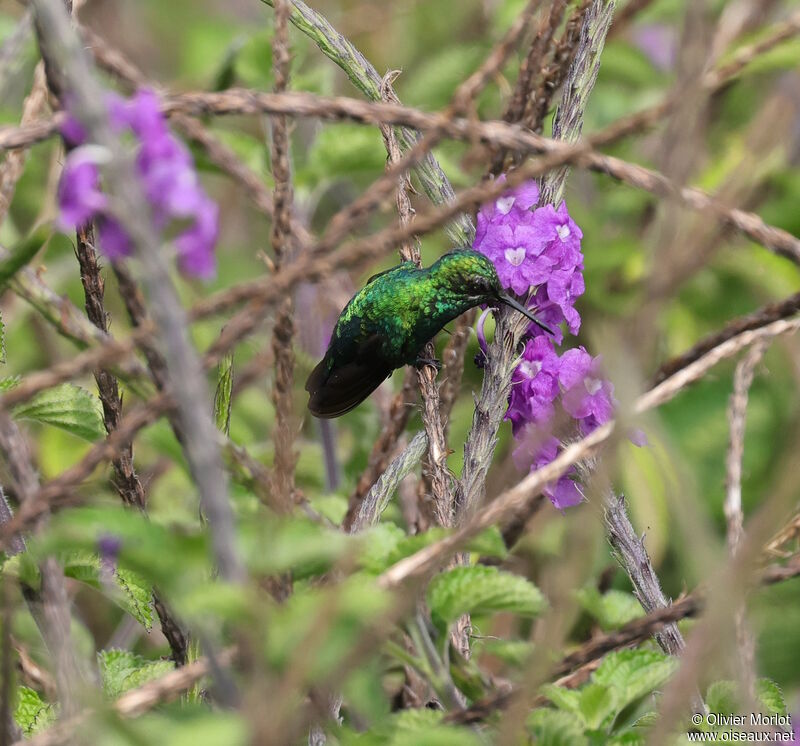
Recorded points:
(555, 299)
(79, 194)
(108, 547)
(659, 42)
(114, 241)
(196, 245)
(535, 250)
(588, 397)
(534, 385)
(537, 254)
(520, 198)
(168, 177)
(538, 450)
(517, 245)
(638, 437)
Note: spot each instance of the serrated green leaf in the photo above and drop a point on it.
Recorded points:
(612, 609)
(422, 725)
(630, 738)
(565, 699)
(222, 398)
(138, 595)
(770, 696)
(122, 670)
(32, 713)
(556, 728)
(598, 704)
(489, 543)
(722, 697)
(9, 382)
(68, 407)
(478, 589)
(134, 596)
(632, 674)
(390, 544)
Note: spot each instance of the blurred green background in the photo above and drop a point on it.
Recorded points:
(676, 486)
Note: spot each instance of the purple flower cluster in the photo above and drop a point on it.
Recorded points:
(542, 379)
(535, 250)
(537, 253)
(168, 177)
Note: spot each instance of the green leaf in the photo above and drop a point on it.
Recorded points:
(222, 399)
(348, 609)
(175, 559)
(138, 596)
(770, 696)
(417, 726)
(22, 253)
(387, 544)
(515, 652)
(630, 738)
(612, 609)
(9, 382)
(565, 699)
(32, 713)
(722, 697)
(598, 705)
(632, 674)
(134, 596)
(122, 670)
(479, 590)
(68, 407)
(556, 728)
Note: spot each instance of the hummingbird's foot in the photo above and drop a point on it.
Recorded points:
(421, 362)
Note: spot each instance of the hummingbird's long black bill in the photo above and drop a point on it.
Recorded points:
(517, 306)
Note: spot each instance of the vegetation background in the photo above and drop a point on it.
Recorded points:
(307, 631)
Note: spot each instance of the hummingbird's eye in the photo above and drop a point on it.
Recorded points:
(482, 285)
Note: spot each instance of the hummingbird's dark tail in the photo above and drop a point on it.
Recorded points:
(334, 392)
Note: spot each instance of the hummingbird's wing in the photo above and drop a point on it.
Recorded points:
(338, 389)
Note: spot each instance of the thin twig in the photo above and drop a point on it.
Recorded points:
(62, 47)
(376, 500)
(732, 507)
(502, 356)
(579, 154)
(219, 153)
(399, 412)
(137, 701)
(633, 633)
(14, 163)
(437, 475)
(49, 606)
(364, 76)
(713, 81)
(514, 500)
(283, 331)
(763, 316)
(631, 553)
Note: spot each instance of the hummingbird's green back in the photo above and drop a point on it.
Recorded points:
(407, 305)
(388, 322)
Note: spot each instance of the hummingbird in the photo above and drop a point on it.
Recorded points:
(390, 320)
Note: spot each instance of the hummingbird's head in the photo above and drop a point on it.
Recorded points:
(468, 272)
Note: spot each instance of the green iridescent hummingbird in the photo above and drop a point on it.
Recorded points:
(388, 322)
